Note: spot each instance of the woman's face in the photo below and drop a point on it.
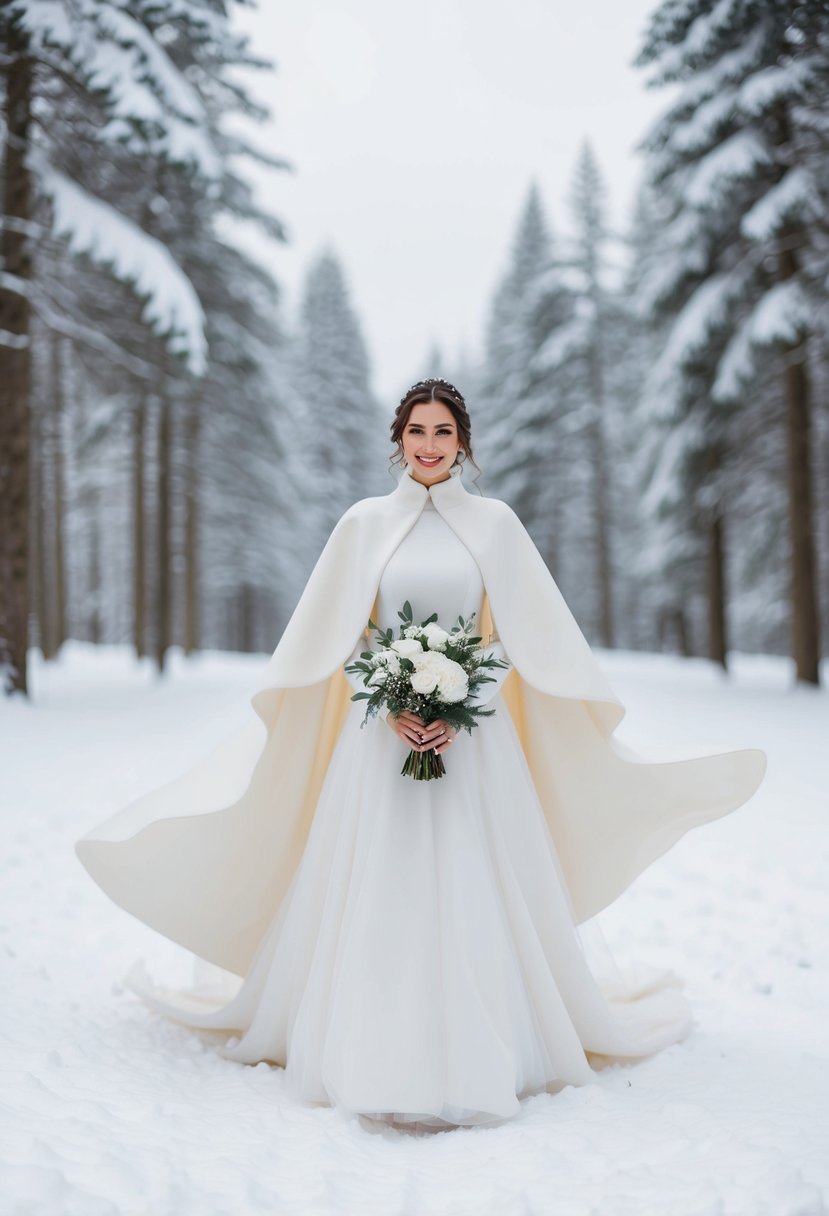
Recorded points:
(431, 432)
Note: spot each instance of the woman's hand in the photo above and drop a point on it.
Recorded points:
(412, 729)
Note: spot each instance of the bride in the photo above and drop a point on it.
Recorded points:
(419, 952)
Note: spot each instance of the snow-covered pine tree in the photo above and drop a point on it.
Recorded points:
(122, 100)
(343, 447)
(641, 587)
(590, 356)
(669, 565)
(739, 158)
(522, 425)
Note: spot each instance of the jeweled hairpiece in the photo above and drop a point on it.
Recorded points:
(429, 384)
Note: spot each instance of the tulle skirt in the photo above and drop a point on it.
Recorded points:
(425, 967)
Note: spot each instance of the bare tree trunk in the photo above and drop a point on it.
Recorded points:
(163, 597)
(247, 611)
(39, 605)
(94, 617)
(805, 635)
(58, 437)
(805, 627)
(15, 381)
(191, 639)
(672, 621)
(139, 538)
(717, 642)
(713, 526)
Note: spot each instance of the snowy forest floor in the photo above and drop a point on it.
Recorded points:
(109, 1109)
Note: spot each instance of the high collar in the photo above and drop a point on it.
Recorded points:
(411, 493)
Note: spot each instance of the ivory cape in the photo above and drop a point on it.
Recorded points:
(207, 858)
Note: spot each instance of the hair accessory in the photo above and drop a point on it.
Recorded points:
(430, 384)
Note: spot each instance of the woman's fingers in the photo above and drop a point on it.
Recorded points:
(420, 737)
(446, 740)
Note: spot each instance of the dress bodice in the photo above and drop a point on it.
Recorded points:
(434, 571)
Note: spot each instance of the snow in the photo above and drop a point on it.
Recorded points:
(782, 314)
(701, 129)
(109, 1108)
(116, 53)
(796, 195)
(736, 157)
(795, 80)
(704, 312)
(94, 227)
(702, 37)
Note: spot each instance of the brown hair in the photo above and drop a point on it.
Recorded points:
(434, 389)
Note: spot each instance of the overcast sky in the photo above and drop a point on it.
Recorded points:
(415, 131)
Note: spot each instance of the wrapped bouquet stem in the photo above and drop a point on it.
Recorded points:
(432, 672)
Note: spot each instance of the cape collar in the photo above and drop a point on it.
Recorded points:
(411, 493)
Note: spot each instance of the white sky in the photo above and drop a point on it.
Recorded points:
(415, 131)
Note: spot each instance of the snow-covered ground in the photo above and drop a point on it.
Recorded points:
(108, 1108)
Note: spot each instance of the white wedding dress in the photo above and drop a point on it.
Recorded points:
(424, 967)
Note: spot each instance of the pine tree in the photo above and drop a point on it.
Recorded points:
(740, 160)
(130, 174)
(341, 421)
(522, 459)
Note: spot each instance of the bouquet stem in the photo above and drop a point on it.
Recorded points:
(423, 766)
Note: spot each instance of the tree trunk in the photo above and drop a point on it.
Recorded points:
(717, 642)
(15, 381)
(713, 526)
(805, 636)
(95, 591)
(40, 606)
(58, 438)
(805, 628)
(247, 609)
(139, 539)
(191, 639)
(163, 598)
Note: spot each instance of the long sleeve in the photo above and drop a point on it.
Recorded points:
(355, 679)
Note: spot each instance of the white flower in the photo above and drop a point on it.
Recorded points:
(436, 638)
(407, 648)
(429, 659)
(424, 680)
(378, 678)
(411, 631)
(453, 683)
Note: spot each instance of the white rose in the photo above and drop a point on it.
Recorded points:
(379, 677)
(407, 648)
(424, 680)
(436, 638)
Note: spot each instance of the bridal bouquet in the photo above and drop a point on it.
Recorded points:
(429, 670)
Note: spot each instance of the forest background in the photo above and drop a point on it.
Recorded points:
(176, 442)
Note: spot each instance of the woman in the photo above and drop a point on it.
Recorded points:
(414, 951)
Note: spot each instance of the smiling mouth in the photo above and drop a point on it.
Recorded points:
(429, 463)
